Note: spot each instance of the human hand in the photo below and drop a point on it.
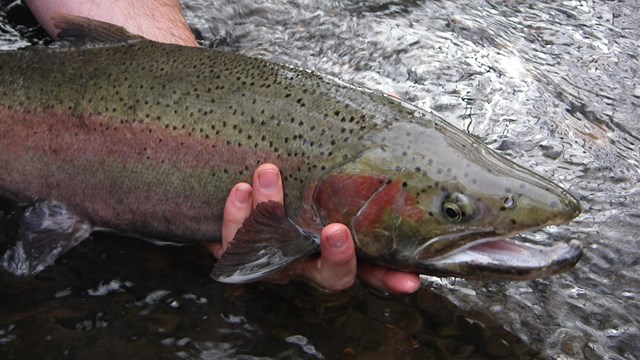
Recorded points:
(336, 267)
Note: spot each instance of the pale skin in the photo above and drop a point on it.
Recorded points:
(161, 20)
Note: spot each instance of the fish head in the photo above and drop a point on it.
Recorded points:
(426, 197)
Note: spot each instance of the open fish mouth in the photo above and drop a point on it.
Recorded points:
(506, 259)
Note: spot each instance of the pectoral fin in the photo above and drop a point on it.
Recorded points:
(266, 243)
(46, 231)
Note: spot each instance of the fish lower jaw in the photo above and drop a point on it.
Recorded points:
(505, 251)
(506, 259)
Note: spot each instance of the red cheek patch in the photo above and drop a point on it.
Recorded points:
(340, 197)
(385, 200)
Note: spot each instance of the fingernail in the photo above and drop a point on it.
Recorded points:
(268, 180)
(337, 239)
(243, 195)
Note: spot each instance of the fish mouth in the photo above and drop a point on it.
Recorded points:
(505, 259)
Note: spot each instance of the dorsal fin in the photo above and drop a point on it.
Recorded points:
(78, 30)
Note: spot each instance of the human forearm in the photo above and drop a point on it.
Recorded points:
(159, 20)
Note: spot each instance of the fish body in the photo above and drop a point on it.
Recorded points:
(147, 138)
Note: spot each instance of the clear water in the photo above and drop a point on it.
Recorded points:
(553, 85)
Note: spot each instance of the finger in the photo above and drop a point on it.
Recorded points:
(236, 209)
(335, 269)
(388, 280)
(267, 184)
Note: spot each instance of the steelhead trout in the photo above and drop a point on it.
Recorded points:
(106, 130)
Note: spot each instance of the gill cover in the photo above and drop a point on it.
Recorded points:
(364, 194)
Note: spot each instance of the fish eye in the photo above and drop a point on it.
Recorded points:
(452, 211)
(457, 207)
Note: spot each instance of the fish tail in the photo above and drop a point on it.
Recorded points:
(45, 231)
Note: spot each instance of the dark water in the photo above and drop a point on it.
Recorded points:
(553, 85)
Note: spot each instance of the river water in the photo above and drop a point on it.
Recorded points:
(554, 85)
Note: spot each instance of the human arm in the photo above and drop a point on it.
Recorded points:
(158, 20)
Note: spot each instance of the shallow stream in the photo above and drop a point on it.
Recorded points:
(553, 85)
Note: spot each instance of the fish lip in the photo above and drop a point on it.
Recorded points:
(505, 258)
